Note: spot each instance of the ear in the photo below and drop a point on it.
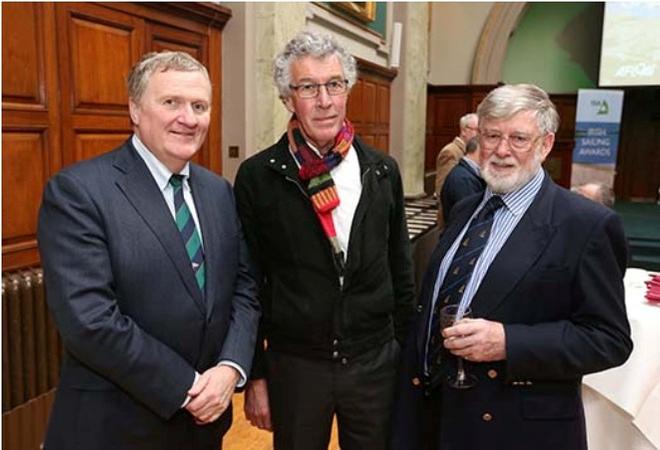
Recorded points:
(288, 103)
(548, 142)
(134, 111)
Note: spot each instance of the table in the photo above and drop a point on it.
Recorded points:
(622, 405)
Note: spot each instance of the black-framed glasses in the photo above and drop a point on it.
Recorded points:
(518, 142)
(311, 90)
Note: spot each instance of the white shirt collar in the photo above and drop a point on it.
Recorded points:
(158, 170)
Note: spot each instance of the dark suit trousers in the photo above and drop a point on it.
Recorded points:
(305, 394)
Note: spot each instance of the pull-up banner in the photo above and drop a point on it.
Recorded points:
(597, 124)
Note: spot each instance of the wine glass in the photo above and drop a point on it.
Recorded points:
(450, 315)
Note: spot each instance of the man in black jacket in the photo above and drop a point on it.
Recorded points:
(324, 219)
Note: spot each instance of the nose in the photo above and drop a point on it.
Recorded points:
(187, 116)
(503, 148)
(323, 100)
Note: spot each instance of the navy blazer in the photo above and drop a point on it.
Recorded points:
(134, 323)
(557, 287)
(461, 182)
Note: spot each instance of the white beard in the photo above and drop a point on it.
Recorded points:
(515, 178)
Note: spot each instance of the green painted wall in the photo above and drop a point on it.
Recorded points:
(556, 46)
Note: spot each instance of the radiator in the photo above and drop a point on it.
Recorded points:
(31, 355)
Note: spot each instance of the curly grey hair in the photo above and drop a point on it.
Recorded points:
(151, 62)
(506, 101)
(317, 45)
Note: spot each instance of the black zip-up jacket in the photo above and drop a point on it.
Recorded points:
(306, 311)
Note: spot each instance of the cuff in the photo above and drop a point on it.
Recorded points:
(241, 372)
(188, 398)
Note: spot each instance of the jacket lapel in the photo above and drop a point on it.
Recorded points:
(521, 250)
(212, 231)
(139, 187)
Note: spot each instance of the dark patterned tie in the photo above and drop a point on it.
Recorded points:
(458, 275)
(186, 225)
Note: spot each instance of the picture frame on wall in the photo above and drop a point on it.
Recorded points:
(365, 12)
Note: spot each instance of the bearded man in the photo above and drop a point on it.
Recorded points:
(541, 270)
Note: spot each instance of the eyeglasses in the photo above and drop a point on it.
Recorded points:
(517, 142)
(311, 90)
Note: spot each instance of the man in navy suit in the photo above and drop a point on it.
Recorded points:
(148, 278)
(464, 179)
(542, 275)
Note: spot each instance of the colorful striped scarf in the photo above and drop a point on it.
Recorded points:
(321, 189)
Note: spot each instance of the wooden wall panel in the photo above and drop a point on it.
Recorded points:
(638, 157)
(98, 79)
(24, 173)
(94, 79)
(89, 145)
(22, 68)
(559, 161)
(369, 104)
(161, 37)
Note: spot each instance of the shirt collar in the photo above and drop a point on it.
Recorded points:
(519, 200)
(472, 164)
(158, 170)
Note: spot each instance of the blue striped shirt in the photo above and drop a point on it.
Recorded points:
(505, 220)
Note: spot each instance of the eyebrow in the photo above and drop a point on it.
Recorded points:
(313, 80)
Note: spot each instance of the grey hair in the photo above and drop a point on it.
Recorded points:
(463, 122)
(151, 62)
(316, 45)
(506, 101)
(604, 193)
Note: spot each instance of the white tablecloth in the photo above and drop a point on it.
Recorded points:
(622, 405)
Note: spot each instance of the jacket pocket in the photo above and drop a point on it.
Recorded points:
(550, 404)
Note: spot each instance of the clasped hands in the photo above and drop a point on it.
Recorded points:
(211, 394)
(476, 340)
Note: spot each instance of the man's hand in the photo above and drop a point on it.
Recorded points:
(211, 395)
(476, 340)
(257, 409)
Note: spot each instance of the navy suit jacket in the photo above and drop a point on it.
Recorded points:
(461, 182)
(556, 285)
(134, 323)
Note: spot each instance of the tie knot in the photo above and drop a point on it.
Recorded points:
(492, 205)
(176, 180)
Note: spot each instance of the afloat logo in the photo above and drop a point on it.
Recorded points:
(639, 70)
(602, 105)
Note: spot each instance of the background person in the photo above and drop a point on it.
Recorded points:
(450, 155)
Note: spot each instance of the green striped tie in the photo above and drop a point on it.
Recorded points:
(186, 225)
